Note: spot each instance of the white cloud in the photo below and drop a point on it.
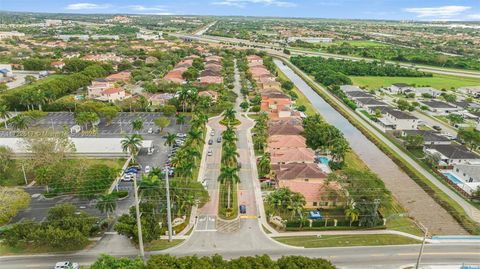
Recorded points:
(83, 6)
(147, 8)
(474, 16)
(443, 12)
(243, 3)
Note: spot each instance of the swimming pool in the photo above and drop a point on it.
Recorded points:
(452, 178)
(324, 160)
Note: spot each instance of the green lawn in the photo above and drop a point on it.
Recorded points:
(358, 43)
(437, 81)
(25, 249)
(346, 240)
(162, 244)
(222, 202)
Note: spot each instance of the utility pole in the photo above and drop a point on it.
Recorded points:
(24, 174)
(169, 213)
(419, 258)
(139, 223)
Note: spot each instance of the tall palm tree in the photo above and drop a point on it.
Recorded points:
(107, 203)
(229, 176)
(132, 144)
(193, 153)
(229, 115)
(169, 139)
(183, 97)
(4, 114)
(229, 156)
(20, 122)
(264, 164)
(195, 137)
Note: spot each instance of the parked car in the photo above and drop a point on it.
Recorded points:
(219, 139)
(243, 209)
(212, 133)
(66, 265)
(150, 131)
(210, 141)
(131, 170)
(205, 183)
(127, 177)
(437, 128)
(210, 152)
(147, 169)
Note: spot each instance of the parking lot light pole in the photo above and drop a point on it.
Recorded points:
(169, 213)
(139, 223)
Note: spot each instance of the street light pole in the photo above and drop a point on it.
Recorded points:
(169, 213)
(139, 223)
(419, 258)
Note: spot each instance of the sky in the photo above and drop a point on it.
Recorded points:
(445, 10)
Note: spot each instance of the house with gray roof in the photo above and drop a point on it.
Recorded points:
(452, 154)
(429, 137)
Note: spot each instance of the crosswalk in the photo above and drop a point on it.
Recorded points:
(206, 223)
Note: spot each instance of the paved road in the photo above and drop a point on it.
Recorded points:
(385, 257)
(418, 203)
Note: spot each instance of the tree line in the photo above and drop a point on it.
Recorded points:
(212, 262)
(333, 71)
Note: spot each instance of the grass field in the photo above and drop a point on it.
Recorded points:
(346, 240)
(162, 244)
(358, 43)
(437, 81)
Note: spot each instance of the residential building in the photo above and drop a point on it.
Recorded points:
(58, 64)
(254, 59)
(366, 102)
(97, 87)
(425, 90)
(400, 88)
(212, 94)
(291, 155)
(160, 99)
(469, 175)
(452, 154)
(470, 90)
(120, 76)
(358, 94)
(285, 129)
(113, 94)
(401, 120)
(439, 107)
(429, 137)
(286, 141)
(274, 100)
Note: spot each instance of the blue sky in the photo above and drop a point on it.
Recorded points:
(355, 9)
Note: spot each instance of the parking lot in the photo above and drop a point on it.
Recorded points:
(119, 125)
(39, 205)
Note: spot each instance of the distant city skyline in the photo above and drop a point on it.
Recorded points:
(445, 10)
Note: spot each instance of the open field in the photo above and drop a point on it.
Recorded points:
(346, 240)
(437, 81)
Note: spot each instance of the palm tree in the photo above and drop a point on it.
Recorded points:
(351, 213)
(229, 156)
(228, 175)
(195, 137)
(132, 144)
(192, 152)
(20, 122)
(169, 139)
(150, 186)
(181, 121)
(107, 204)
(4, 114)
(137, 125)
(264, 164)
(183, 97)
(229, 115)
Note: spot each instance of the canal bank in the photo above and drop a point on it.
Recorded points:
(420, 205)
